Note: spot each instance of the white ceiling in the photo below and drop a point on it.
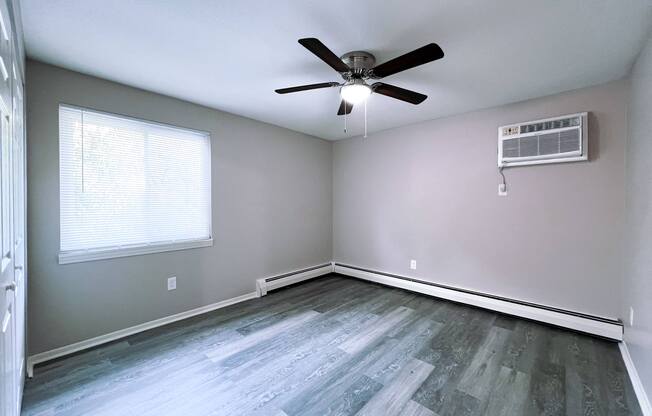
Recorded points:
(231, 55)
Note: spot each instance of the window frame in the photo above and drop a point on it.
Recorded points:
(127, 250)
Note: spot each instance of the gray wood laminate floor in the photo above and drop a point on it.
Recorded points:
(339, 346)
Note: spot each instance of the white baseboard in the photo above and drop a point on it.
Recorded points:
(275, 282)
(102, 339)
(603, 328)
(262, 286)
(643, 400)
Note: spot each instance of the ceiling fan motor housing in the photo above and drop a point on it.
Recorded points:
(360, 62)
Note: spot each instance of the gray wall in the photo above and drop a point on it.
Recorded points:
(428, 192)
(638, 249)
(271, 198)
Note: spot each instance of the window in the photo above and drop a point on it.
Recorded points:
(130, 187)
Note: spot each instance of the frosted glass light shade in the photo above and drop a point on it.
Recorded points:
(355, 93)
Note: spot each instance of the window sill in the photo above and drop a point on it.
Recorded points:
(79, 256)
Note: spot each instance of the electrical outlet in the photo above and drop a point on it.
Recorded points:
(502, 189)
(172, 283)
(631, 316)
(413, 264)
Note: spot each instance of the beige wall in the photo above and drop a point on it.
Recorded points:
(428, 192)
(271, 200)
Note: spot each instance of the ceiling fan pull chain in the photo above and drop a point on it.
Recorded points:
(345, 116)
(365, 119)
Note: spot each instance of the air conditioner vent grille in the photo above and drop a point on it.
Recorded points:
(511, 148)
(529, 146)
(568, 141)
(549, 125)
(549, 144)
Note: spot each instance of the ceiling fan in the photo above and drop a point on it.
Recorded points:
(358, 67)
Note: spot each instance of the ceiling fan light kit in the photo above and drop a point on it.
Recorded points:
(355, 92)
(357, 67)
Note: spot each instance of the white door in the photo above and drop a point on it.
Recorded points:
(18, 185)
(8, 342)
(11, 286)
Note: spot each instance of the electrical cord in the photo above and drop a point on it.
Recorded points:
(500, 171)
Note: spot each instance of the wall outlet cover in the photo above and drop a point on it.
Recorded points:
(413, 264)
(172, 283)
(502, 189)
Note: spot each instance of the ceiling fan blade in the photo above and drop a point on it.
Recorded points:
(345, 108)
(307, 87)
(398, 93)
(315, 46)
(423, 55)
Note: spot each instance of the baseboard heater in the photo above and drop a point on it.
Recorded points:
(594, 325)
(270, 283)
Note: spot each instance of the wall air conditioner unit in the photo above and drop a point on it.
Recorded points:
(551, 140)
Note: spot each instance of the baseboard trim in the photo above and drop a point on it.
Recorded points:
(270, 283)
(262, 286)
(641, 395)
(42, 357)
(594, 325)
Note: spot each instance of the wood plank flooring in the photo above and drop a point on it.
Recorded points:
(339, 346)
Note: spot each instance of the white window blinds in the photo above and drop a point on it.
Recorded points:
(127, 184)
